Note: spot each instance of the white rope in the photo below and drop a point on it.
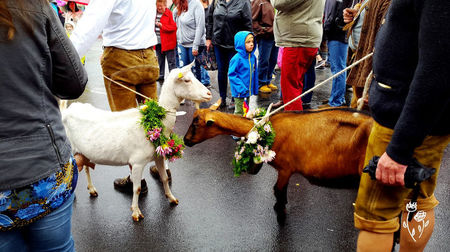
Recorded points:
(171, 112)
(312, 89)
(129, 89)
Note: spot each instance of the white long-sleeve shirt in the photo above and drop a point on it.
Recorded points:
(125, 24)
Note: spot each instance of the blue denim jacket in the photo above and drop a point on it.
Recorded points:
(38, 64)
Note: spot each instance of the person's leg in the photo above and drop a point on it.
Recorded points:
(53, 232)
(197, 69)
(272, 64)
(309, 80)
(264, 49)
(222, 72)
(177, 56)
(238, 103)
(205, 77)
(147, 84)
(338, 59)
(378, 206)
(171, 59)
(161, 61)
(205, 80)
(12, 241)
(298, 59)
(184, 55)
(113, 61)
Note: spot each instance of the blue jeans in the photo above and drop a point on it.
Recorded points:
(338, 59)
(186, 57)
(308, 82)
(205, 77)
(223, 57)
(267, 60)
(51, 233)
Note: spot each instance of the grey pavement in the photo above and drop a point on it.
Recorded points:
(217, 211)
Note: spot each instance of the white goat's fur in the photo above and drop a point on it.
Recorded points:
(117, 138)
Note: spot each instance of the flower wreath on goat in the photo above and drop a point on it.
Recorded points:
(170, 147)
(256, 148)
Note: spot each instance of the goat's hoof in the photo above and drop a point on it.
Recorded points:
(174, 202)
(93, 194)
(137, 216)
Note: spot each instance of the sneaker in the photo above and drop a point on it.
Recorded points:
(126, 186)
(265, 89)
(272, 87)
(155, 174)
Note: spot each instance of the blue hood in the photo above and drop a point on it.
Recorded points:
(239, 42)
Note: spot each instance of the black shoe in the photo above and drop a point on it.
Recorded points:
(126, 186)
(155, 174)
(306, 106)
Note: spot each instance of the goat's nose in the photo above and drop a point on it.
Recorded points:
(209, 93)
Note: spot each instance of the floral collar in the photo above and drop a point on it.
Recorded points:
(170, 147)
(256, 147)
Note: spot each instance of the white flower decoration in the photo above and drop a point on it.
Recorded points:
(252, 137)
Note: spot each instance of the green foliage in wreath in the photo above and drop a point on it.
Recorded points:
(168, 147)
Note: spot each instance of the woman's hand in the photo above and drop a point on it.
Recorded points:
(194, 52)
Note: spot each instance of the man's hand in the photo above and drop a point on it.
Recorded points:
(390, 172)
(194, 52)
(208, 44)
(349, 14)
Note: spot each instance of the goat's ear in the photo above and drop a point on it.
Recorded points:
(210, 122)
(186, 69)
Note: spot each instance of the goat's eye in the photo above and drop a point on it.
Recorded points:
(187, 80)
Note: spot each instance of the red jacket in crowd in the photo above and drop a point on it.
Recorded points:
(168, 31)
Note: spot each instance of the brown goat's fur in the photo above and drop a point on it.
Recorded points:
(320, 144)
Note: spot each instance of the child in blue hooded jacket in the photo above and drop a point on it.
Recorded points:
(243, 71)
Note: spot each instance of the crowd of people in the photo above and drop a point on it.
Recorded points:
(408, 96)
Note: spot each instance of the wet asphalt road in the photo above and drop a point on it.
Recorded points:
(217, 211)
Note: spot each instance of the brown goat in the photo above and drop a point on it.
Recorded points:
(322, 144)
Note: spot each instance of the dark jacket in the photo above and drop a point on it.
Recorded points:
(225, 19)
(35, 67)
(168, 31)
(334, 21)
(242, 72)
(415, 97)
(263, 15)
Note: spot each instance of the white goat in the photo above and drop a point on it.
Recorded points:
(117, 138)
